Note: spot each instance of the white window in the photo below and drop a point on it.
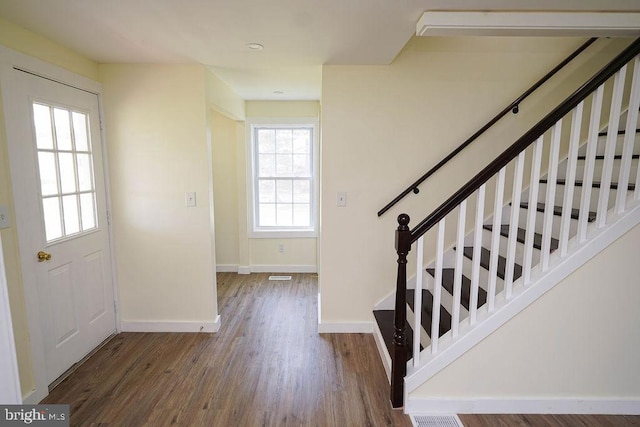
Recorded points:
(284, 185)
(65, 167)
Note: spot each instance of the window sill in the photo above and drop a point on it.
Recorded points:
(283, 234)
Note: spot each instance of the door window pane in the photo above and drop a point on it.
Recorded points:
(85, 180)
(70, 212)
(88, 211)
(80, 131)
(52, 223)
(42, 123)
(63, 130)
(67, 172)
(48, 174)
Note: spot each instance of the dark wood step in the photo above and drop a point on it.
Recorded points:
(620, 132)
(616, 157)
(614, 185)
(521, 235)
(448, 276)
(427, 303)
(384, 319)
(557, 211)
(485, 256)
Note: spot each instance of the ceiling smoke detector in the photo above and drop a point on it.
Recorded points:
(254, 46)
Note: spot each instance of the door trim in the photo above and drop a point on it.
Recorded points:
(10, 59)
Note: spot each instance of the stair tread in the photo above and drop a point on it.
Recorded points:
(616, 157)
(557, 210)
(620, 132)
(385, 319)
(521, 236)
(595, 184)
(448, 278)
(427, 303)
(485, 256)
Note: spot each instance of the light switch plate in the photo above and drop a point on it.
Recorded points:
(5, 218)
(190, 199)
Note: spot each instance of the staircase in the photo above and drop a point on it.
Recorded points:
(516, 235)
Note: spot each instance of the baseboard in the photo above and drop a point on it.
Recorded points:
(227, 268)
(345, 328)
(31, 398)
(248, 269)
(418, 406)
(284, 268)
(190, 326)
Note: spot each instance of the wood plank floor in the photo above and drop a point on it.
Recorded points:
(267, 366)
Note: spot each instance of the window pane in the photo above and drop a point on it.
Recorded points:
(70, 213)
(80, 131)
(302, 191)
(285, 215)
(266, 191)
(48, 180)
(67, 172)
(302, 141)
(266, 165)
(284, 191)
(284, 165)
(284, 140)
(85, 182)
(301, 216)
(42, 123)
(88, 211)
(52, 225)
(267, 215)
(63, 128)
(266, 141)
(301, 165)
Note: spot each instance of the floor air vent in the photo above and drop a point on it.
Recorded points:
(437, 421)
(279, 277)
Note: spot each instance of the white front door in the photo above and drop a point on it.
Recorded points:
(59, 192)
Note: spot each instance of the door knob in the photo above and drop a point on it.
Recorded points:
(43, 256)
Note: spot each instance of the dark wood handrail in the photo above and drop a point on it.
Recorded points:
(527, 139)
(511, 107)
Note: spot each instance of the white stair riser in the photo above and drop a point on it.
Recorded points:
(577, 195)
(504, 241)
(602, 143)
(555, 229)
(597, 172)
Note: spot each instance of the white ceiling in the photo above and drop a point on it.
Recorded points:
(299, 36)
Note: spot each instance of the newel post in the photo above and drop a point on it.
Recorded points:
(399, 356)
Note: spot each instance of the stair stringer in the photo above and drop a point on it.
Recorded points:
(487, 323)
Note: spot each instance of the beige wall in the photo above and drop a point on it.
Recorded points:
(229, 142)
(383, 126)
(24, 41)
(156, 119)
(224, 140)
(579, 340)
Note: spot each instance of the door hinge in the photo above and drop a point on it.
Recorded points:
(108, 218)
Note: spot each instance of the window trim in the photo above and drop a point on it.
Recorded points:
(280, 231)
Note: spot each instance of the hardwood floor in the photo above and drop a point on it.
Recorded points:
(267, 366)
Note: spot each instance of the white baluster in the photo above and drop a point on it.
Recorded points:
(437, 288)
(417, 302)
(587, 180)
(513, 225)
(477, 244)
(570, 179)
(610, 150)
(629, 138)
(495, 239)
(533, 209)
(552, 176)
(457, 280)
